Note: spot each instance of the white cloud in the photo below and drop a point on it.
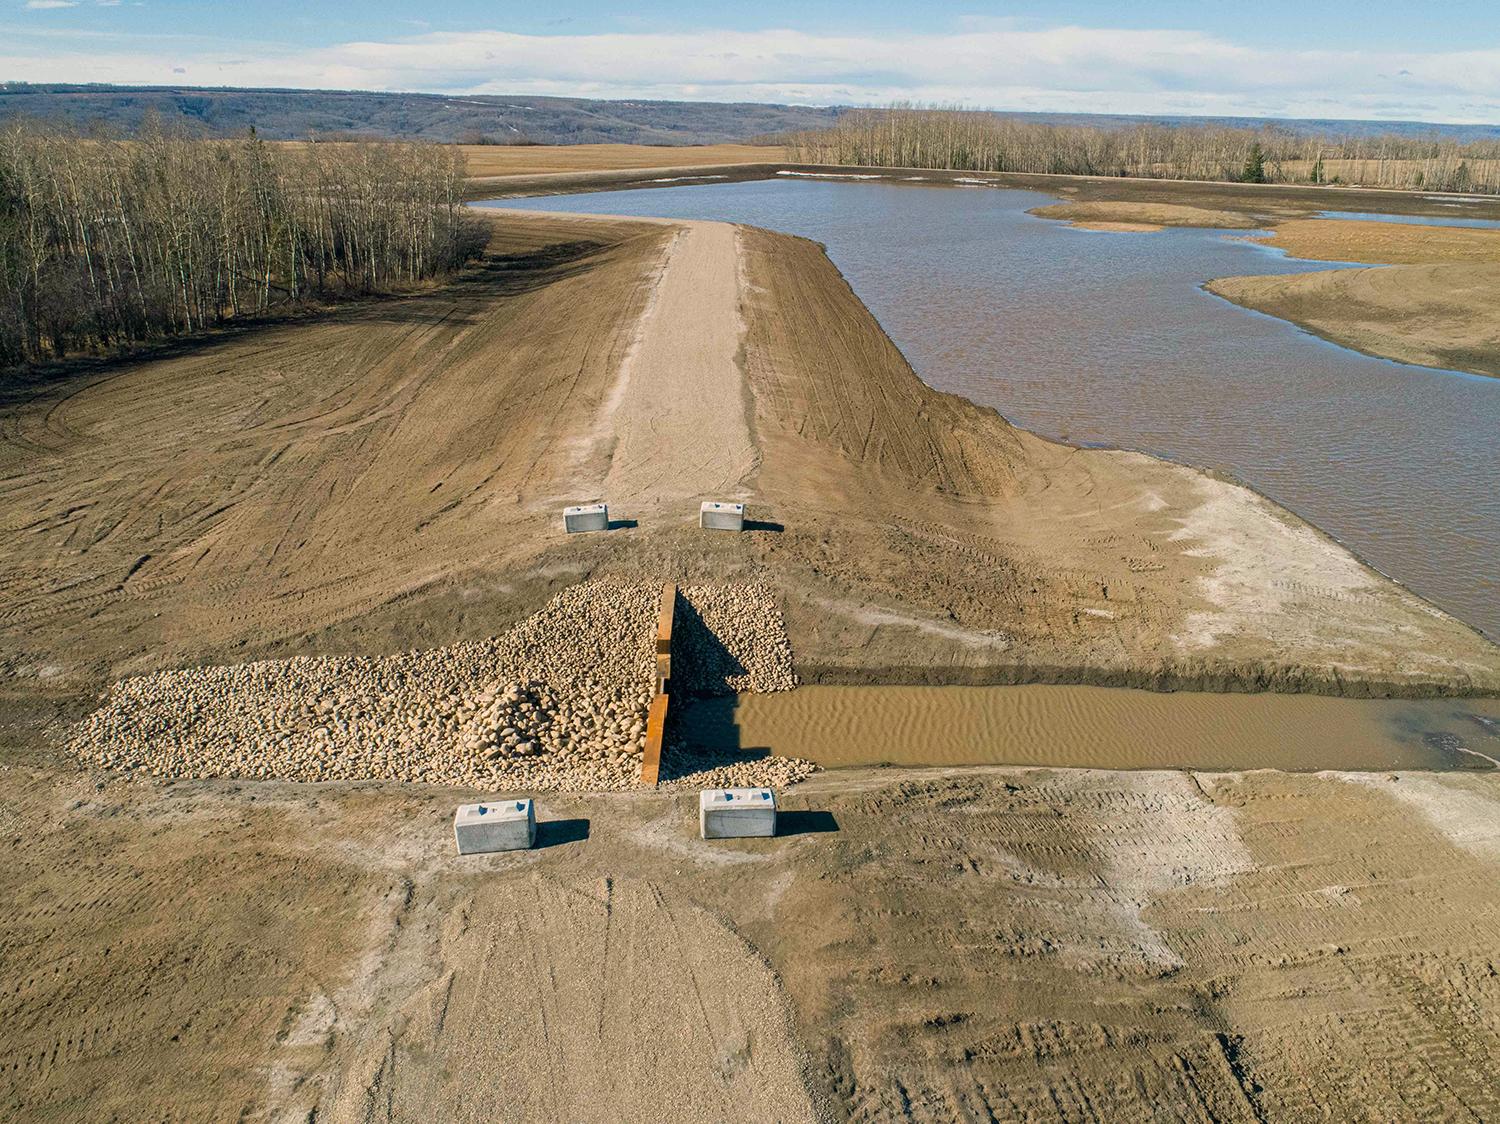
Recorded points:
(45, 5)
(982, 64)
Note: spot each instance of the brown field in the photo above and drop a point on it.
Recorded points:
(923, 945)
(517, 160)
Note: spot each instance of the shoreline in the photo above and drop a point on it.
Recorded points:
(1173, 596)
(1302, 199)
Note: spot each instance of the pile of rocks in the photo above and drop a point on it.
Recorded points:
(558, 702)
(731, 638)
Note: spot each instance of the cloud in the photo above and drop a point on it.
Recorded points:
(46, 5)
(982, 63)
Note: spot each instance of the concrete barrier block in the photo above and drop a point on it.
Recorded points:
(715, 516)
(736, 813)
(494, 825)
(586, 517)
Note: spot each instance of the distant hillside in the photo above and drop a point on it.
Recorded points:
(297, 114)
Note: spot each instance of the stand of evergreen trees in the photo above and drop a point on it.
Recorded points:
(106, 242)
(910, 136)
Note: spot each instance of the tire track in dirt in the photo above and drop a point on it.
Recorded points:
(618, 1010)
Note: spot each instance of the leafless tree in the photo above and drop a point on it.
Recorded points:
(106, 242)
(913, 136)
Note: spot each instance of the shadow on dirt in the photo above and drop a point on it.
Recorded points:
(554, 833)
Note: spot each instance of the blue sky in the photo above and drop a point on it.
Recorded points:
(1428, 61)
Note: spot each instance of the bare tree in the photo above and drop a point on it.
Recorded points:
(912, 136)
(106, 242)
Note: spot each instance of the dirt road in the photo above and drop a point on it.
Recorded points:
(677, 411)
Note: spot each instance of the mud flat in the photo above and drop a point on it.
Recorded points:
(1099, 728)
(1433, 305)
(1142, 217)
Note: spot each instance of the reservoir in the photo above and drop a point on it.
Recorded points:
(1109, 339)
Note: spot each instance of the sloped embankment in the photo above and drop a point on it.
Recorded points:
(930, 541)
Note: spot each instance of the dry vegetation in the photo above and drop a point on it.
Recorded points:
(534, 159)
(1386, 243)
(914, 137)
(106, 242)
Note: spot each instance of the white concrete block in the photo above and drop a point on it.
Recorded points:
(734, 813)
(715, 516)
(494, 825)
(587, 517)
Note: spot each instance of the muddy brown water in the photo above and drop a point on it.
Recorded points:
(1107, 338)
(1098, 727)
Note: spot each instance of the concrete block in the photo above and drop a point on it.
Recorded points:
(735, 813)
(587, 517)
(715, 516)
(494, 825)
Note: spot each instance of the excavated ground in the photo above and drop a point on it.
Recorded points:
(921, 945)
(968, 944)
(390, 478)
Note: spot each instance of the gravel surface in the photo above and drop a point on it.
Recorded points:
(557, 703)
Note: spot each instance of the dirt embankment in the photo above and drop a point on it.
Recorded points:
(392, 478)
(928, 540)
(1009, 944)
(1434, 306)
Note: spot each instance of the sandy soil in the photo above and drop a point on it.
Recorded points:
(1134, 216)
(392, 476)
(677, 414)
(928, 945)
(1442, 316)
(1434, 308)
(965, 944)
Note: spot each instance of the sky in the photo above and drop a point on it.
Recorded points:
(1433, 61)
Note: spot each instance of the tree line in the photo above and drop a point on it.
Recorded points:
(107, 242)
(911, 136)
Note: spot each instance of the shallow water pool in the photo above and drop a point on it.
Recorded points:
(1098, 728)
